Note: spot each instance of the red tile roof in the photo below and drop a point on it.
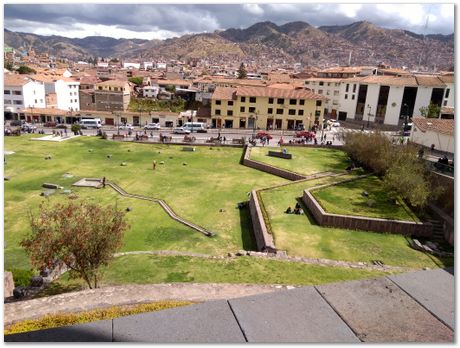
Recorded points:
(437, 125)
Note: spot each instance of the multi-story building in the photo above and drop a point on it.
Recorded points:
(391, 100)
(66, 91)
(265, 108)
(21, 92)
(328, 87)
(112, 95)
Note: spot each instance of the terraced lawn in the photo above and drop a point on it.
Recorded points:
(305, 160)
(348, 199)
(300, 235)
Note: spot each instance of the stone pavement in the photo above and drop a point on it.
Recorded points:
(411, 307)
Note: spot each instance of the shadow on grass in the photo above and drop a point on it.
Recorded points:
(57, 288)
(306, 211)
(247, 232)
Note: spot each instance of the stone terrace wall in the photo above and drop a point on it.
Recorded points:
(286, 174)
(264, 240)
(363, 223)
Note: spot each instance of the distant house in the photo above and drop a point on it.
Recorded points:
(433, 131)
(112, 95)
(21, 92)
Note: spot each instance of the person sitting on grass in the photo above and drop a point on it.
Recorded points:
(297, 205)
(288, 210)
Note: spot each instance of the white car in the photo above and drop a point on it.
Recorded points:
(152, 126)
(126, 126)
(336, 124)
(180, 130)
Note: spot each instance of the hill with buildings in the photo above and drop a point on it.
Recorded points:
(266, 42)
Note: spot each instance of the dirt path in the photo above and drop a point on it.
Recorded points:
(129, 294)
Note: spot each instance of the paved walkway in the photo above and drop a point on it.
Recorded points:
(410, 307)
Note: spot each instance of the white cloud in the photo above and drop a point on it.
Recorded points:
(349, 10)
(254, 9)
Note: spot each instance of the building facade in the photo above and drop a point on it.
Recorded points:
(22, 92)
(112, 95)
(265, 108)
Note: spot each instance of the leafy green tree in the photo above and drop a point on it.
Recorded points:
(137, 80)
(75, 128)
(82, 235)
(24, 69)
(430, 111)
(170, 88)
(8, 65)
(242, 74)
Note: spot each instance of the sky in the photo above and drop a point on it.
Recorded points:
(162, 21)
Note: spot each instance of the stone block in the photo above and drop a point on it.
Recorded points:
(8, 284)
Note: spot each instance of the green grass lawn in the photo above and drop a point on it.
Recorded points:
(305, 160)
(346, 198)
(211, 180)
(145, 269)
(300, 235)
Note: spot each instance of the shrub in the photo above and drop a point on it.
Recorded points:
(22, 277)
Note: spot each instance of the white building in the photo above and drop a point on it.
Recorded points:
(328, 87)
(130, 65)
(20, 92)
(433, 131)
(150, 91)
(65, 89)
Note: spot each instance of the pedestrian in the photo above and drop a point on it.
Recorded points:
(225, 139)
(65, 131)
(154, 164)
(103, 182)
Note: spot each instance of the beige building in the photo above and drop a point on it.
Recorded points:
(112, 95)
(266, 108)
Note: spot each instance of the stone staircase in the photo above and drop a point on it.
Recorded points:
(438, 231)
(165, 207)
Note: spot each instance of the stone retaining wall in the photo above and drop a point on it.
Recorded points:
(264, 240)
(363, 223)
(286, 174)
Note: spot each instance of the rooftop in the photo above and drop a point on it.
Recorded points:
(437, 125)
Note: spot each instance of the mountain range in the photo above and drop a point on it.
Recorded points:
(263, 42)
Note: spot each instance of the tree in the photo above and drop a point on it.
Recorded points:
(75, 128)
(430, 111)
(242, 74)
(82, 235)
(170, 88)
(137, 80)
(24, 69)
(8, 65)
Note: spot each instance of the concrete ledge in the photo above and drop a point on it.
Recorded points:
(280, 154)
(360, 222)
(286, 174)
(264, 240)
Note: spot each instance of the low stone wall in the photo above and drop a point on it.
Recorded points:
(363, 223)
(268, 168)
(280, 154)
(264, 240)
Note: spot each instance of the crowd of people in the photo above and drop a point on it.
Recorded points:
(297, 210)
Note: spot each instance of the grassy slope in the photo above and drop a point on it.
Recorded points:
(300, 235)
(347, 199)
(304, 160)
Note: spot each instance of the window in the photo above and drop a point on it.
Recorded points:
(7, 91)
(336, 93)
(317, 113)
(280, 101)
(270, 100)
(252, 99)
(321, 83)
(70, 93)
(270, 111)
(229, 112)
(242, 109)
(352, 97)
(17, 102)
(279, 111)
(445, 102)
(307, 82)
(41, 100)
(318, 103)
(217, 112)
(291, 112)
(302, 102)
(7, 101)
(328, 83)
(337, 84)
(447, 92)
(354, 88)
(292, 102)
(347, 87)
(320, 91)
(218, 102)
(230, 102)
(17, 92)
(116, 90)
(36, 101)
(243, 99)
(34, 92)
(346, 96)
(300, 112)
(252, 109)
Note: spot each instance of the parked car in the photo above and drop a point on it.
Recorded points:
(50, 124)
(27, 127)
(152, 126)
(126, 126)
(261, 135)
(61, 126)
(16, 123)
(304, 134)
(180, 130)
(336, 124)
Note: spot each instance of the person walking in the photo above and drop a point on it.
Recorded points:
(103, 182)
(154, 164)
